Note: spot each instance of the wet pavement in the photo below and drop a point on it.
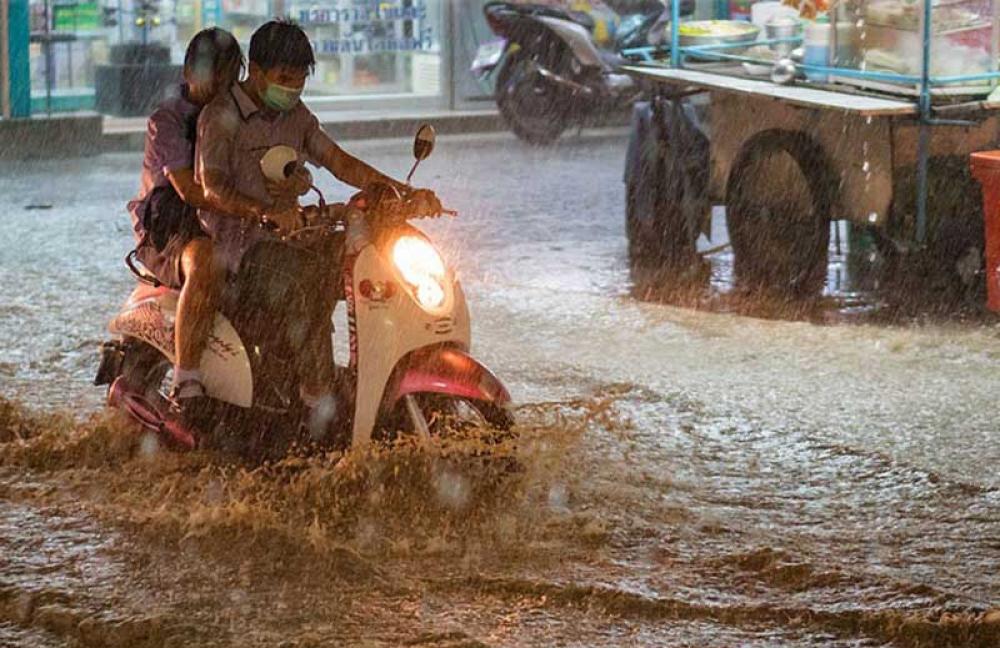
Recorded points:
(690, 478)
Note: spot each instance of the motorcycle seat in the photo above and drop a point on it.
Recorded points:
(581, 18)
(613, 60)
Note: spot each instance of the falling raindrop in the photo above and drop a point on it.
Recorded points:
(320, 417)
(149, 445)
(559, 497)
(452, 489)
(214, 492)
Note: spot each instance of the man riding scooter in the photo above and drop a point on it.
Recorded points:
(234, 132)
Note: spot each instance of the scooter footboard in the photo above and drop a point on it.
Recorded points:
(445, 370)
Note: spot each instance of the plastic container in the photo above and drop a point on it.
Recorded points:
(986, 169)
(762, 13)
(740, 9)
(816, 48)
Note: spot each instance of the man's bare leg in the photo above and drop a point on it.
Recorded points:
(195, 310)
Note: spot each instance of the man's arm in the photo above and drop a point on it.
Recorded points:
(222, 196)
(353, 171)
(344, 166)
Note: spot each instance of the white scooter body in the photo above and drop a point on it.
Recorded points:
(386, 330)
(149, 314)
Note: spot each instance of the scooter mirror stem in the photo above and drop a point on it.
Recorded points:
(412, 169)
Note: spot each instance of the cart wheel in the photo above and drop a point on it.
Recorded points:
(778, 202)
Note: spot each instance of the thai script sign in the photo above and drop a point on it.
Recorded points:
(373, 28)
(375, 12)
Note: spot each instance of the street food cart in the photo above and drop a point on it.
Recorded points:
(872, 123)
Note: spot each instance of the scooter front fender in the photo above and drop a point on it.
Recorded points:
(448, 371)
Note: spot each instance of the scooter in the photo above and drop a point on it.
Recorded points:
(410, 370)
(550, 72)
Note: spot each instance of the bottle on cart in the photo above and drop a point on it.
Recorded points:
(816, 46)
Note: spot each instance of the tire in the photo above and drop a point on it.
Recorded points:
(779, 199)
(535, 109)
(143, 370)
(442, 414)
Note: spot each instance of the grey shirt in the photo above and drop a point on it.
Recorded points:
(233, 136)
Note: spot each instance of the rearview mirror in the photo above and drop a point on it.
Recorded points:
(423, 144)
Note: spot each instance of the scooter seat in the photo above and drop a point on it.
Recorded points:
(581, 18)
(145, 291)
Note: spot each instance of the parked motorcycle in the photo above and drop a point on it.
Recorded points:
(410, 368)
(550, 72)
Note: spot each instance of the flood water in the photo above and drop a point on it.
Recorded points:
(688, 477)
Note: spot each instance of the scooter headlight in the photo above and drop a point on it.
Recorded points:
(422, 267)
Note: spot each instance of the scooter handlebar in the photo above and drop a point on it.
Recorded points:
(381, 204)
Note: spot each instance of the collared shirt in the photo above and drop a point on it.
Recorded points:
(170, 133)
(233, 136)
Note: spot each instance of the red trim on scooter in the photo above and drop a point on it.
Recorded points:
(172, 433)
(143, 292)
(445, 370)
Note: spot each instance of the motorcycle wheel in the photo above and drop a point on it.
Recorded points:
(443, 415)
(144, 371)
(535, 109)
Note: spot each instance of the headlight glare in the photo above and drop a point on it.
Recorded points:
(422, 267)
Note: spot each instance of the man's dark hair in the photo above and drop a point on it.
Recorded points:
(281, 42)
(213, 49)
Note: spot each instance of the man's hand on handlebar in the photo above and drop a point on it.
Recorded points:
(424, 202)
(312, 215)
(282, 221)
(286, 193)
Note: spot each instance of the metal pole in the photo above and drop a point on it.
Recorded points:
(675, 30)
(5, 58)
(50, 74)
(923, 141)
(448, 51)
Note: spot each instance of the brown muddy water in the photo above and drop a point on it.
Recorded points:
(687, 477)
